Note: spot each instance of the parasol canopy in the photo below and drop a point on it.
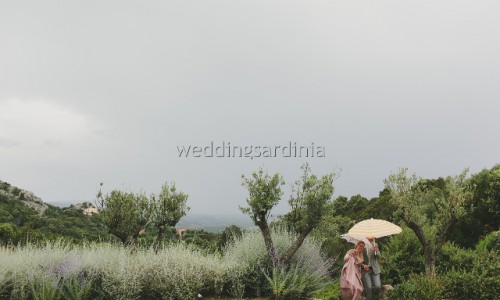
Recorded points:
(355, 240)
(373, 228)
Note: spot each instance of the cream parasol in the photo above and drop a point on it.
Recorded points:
(373, 228)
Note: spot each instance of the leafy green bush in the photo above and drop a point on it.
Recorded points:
(228, 235)
(330, 292)
(45, 287)
(490, 242)
(294, 282)
(475, 284)
(469, 274)
(77, 287)
(455, 257)
(418, 287)
(401, 256)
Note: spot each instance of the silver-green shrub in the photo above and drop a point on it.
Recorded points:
(177, 271)
(250, 252)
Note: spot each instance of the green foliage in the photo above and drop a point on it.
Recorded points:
(125, 214)
(469, 274)
(490, 242)
(310, 198)
(203, 240)
(264, 193)
(7, 232)
(350, 208)
(15, 212)
(402, 255)
(484, 216)
(430, 208)
(282, 283)
(474, 284)
(170, 207)
(418, 287)
(4, 186)
(329, 231)
(330, 292)
(250, 252)
(358, 208)
(19, 223)
(113, 272)
(340, 206)
(381, 207)
(455, 257)
(167, 209)
(77, 287)
(309, 202)
(45, 288)
(228, 235)
(294, 283)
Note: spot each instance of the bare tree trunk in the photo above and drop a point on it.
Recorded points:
(159, 238)
(266, 233)
(429, 255)
(429, 261)
(123, 238)
(294, 247)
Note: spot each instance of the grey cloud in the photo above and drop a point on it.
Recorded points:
(379, 84)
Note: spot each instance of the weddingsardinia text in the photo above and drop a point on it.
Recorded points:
(227, 150)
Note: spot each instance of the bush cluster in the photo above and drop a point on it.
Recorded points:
(56, 271)
(462, 274)
(418, 287)
(470, 274)
(401, 257)
(308, 271)
(178, 271)
(330, 292)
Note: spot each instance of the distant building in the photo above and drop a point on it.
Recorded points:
(90, 211)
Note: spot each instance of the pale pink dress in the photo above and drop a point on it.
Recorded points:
(350, 278)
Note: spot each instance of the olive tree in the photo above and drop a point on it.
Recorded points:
(167, 209)
(124, 214)
(310, 197)
(430, 208)
(264, 193)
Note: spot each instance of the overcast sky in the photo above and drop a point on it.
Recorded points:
(106, 91)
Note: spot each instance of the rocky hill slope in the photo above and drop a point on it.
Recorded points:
(27, 197)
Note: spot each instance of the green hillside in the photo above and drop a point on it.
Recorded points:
(21, 221)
